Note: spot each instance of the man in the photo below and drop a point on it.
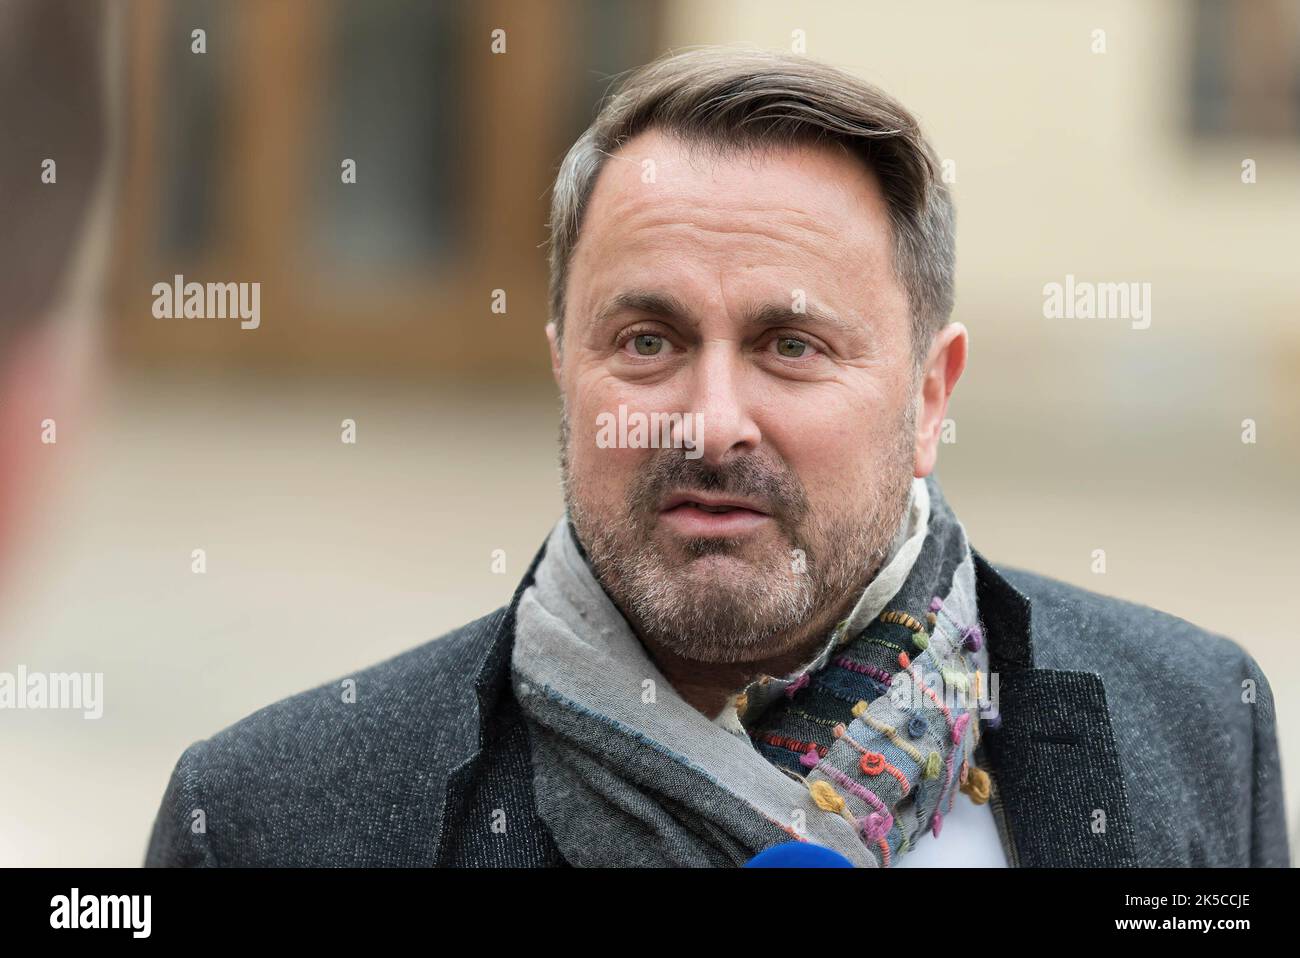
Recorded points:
(759, 621)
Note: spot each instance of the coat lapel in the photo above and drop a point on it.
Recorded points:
(1054, 761)
(490, 684)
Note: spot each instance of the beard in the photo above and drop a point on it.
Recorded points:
(766, 601)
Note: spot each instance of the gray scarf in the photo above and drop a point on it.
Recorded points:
(628, 773)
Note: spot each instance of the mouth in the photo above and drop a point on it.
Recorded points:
(697, 515)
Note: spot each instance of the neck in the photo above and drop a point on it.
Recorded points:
(706, 686)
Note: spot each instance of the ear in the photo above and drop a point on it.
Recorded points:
(555, 352)
(943, 367)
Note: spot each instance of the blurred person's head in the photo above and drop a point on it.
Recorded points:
(766, 242)
(51, 109)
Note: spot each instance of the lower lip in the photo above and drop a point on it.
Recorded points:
(689, 521)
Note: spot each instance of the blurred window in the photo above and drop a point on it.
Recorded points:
(191, 129)
(1246, 69)
(393, 100)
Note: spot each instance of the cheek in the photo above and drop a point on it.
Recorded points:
(604, 470)
(838, 451)
(609, 471)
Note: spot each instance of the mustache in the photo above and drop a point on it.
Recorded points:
(778, 490)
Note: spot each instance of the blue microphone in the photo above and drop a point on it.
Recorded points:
(798, 855)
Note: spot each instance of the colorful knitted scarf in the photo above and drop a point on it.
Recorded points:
(861, 753)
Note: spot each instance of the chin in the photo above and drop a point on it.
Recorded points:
(726, 568)
(730, 574)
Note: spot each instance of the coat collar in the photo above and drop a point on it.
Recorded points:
(1055, 764)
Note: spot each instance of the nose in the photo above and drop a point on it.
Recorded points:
(719, 394)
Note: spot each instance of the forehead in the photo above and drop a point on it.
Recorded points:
(671, 212)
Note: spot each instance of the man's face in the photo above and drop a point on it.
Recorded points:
(758, 292)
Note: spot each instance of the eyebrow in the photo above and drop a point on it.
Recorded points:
(766, 316)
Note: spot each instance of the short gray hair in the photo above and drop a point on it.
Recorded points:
(751, 99)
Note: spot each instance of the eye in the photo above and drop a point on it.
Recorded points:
(646, 344)
(793, 348)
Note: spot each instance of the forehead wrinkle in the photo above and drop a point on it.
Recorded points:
(778, 224)
(652, 230)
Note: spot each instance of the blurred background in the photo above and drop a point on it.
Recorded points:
(1111, 156)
